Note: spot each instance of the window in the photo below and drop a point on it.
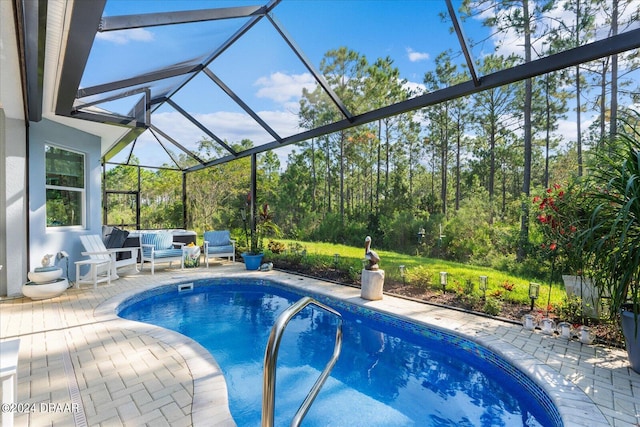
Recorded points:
(65, 187)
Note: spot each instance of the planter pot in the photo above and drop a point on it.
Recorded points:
(582, 287)
(44, 274)
(37, 291)
(252, 262)
(631, 339)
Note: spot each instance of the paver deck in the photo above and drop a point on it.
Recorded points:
(80, 364)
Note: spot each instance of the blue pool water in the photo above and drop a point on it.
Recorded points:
(390, 373)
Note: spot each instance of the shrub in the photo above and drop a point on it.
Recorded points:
(570, 309)
(420, 276)
(276, 247)
(469, 300)
(492, 306)
(508, 286)
(400, 231)
(296, 248)
(469, 287)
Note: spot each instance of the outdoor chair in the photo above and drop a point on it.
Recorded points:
(96, 250)
(160, 247)
(219, 244)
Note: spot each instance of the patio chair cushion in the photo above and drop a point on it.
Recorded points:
(160, 241)
(166, 253)
(225, 249)
(218, 238)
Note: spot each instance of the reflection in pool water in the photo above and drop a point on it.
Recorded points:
(390, 372)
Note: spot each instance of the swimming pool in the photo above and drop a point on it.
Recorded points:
(391, 372)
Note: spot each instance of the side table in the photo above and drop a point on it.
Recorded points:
(92, 275)
(191, 256)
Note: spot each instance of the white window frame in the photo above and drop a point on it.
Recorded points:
(80, 190)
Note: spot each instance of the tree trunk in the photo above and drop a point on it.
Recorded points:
(578, 106)
(613, 128)
(603, 102)
(526, 175)
(313, 176)
(548, 133)
(328, 183)
(387, 137)
(379, 165)
(458, 148)
(342, 177)
(443, 160)
(578, 124)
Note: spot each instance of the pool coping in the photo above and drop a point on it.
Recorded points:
(210, 393)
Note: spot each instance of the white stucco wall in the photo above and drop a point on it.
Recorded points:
(45, 240)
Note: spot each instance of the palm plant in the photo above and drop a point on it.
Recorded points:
(613, 235)
(264, 226)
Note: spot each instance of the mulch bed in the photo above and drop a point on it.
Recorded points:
(606, 333)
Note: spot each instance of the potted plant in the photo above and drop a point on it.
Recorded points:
(264, 225)
(613, 235)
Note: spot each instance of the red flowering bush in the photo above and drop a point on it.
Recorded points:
(560, 218)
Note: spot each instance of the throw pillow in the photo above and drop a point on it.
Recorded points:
(117, 238)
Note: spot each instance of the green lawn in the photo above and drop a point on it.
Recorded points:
(458, 273)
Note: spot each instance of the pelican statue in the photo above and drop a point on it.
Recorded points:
(370, 255)
(46, 260)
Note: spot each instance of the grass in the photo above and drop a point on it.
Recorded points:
(458, 273)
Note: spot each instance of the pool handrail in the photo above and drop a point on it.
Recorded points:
(271, 357)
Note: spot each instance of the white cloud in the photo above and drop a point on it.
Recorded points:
(126, 36)
(281, 87)
(416, 56)
(229, 126)
(415, 87)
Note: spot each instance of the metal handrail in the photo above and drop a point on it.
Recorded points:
(271, 357)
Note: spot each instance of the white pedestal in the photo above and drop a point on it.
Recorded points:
(372, 283)
(45, 290)
(583, 288)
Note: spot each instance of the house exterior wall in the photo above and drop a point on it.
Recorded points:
(13, 223)
(13, 160)
(52, 240)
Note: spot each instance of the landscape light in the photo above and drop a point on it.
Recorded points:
(534, 292)
(484, 282)
(443, 280)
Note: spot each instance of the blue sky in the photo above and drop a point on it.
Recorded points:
(261, 68)
(270, 77)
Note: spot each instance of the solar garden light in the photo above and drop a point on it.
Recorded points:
(534, 292)
(403, 272)
(336, 260)
(564, 329)
(443, 280)
(484, 281)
